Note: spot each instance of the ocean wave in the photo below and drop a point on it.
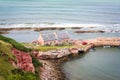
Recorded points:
(50, 25)
(104, 27)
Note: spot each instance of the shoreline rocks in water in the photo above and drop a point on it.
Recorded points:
(37, 29)
(89, 31)
(30, 28)
(52, 28)
(76, 27)
(6, 30)
(19, 28)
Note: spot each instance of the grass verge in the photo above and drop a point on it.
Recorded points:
(46, 48)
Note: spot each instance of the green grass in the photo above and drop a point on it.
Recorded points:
(1, 78)
(37, 64)
(15, 44)
(6, 48)
(18, 74)
(8, 72)
(5, 68)
(46, 48)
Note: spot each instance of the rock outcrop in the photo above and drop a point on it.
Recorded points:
(24, 60)
(54, 54)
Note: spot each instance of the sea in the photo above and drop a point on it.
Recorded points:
(103, 14)
(101, 64)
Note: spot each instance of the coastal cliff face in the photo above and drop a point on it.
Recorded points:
(15, 63)
(24, 60)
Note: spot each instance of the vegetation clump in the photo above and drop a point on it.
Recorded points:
(15, 44)
(37, 64)
(18, 74)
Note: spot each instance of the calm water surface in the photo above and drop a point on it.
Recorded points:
(29, 35)
(102, 64)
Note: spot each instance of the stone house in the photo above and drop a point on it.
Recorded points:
(53, 38)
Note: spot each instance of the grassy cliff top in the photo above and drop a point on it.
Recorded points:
(6, 49)
(15, 44)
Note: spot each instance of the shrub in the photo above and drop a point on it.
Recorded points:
(35, 61)
(36, 64)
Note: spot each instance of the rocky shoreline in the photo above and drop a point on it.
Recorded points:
(89, 31)
(37, 29)
(7, 30)
(51, 71)
(51, 65)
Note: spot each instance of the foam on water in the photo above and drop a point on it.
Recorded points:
(103, 27)
(56, 25)
(50, 25)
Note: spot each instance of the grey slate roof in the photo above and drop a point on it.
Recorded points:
(49, 37)
(62, 35)
(53, 36)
